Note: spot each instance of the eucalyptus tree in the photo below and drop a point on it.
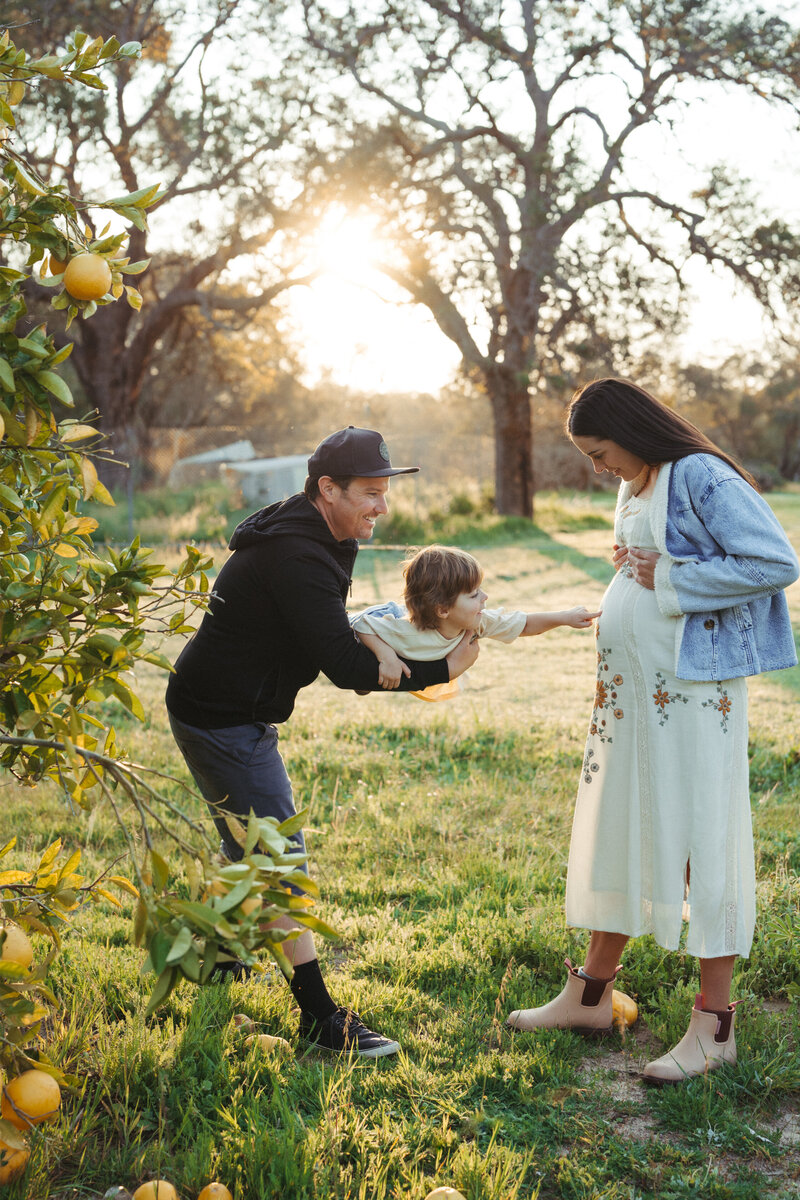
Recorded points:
(514, 148)
(216, 111)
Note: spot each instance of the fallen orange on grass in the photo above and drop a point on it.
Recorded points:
(623, 1009)
(267, 1041)
(12, 1162)
(29, 1098)
(156, 1189)
(87, 276)
(215, 1191)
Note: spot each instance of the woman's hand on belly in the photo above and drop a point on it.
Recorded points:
(643, 566)
(620, 556)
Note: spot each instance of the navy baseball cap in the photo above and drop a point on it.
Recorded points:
(351, 451)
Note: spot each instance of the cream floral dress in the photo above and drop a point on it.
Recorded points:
(664, 783)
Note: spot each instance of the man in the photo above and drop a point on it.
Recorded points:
(277, 618)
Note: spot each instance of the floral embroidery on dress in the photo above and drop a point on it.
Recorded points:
(606, 699)
(589, 768)
(722, 704)
(663, 698)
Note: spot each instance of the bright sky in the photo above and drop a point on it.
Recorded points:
(358, 328)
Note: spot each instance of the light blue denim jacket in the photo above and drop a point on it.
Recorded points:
(724, 563)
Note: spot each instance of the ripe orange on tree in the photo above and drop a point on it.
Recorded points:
(87, 276)
(17, 946)
(29, 1098)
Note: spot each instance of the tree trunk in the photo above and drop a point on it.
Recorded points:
(513, 443)
(111, 381)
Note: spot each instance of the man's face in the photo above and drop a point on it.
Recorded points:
(351, 512)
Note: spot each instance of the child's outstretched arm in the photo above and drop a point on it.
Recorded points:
(576, 618)
(391, 669)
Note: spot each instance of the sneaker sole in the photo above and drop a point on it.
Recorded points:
(380, 1051)
(377, 1052)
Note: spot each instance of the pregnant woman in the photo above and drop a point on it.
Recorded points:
(662, 831)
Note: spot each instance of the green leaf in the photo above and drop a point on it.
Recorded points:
(57, 387)
(160, 871)
(202, 914)
(110, 48)
(33, 347)
(251, 841)
(166, 982)
(234, 897)
(190, 965)
(293, 824)
(7, 376)
(50, 853)
(182, 943)
(140, 198)
(10, 498)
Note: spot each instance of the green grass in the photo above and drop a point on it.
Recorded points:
(439, 836)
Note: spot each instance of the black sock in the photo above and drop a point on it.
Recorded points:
(308, 989)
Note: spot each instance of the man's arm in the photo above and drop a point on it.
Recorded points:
(308, 598)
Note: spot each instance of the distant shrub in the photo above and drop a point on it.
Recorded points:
(209, 512)
(462, 505)
(766, 475)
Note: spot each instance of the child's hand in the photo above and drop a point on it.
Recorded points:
(391, 670)
(580, 618)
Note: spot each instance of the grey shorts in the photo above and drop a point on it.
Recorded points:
(238, 769)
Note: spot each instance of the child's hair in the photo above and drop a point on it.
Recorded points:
(435, 577)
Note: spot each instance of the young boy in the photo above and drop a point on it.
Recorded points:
(443, 602)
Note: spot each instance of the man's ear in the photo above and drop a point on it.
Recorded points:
(442, 612)
(326, 486)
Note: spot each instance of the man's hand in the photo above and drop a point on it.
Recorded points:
(464, 655)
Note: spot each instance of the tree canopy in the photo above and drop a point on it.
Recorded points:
(504, 142)
(223, 130)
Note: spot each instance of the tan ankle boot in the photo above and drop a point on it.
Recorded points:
(583, 1005)
(709, 1043)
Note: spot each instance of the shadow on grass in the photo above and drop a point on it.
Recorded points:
(532, 537)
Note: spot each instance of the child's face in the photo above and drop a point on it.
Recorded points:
(465, 612)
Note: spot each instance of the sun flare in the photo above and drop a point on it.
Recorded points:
(348, 247)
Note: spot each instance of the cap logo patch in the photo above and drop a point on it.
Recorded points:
(383, 450)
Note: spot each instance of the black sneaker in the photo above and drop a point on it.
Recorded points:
(344, 1032)
(230, 970)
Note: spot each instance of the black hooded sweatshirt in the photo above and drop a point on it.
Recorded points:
(276, 619)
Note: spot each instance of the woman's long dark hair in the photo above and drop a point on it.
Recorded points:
(621, 412)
